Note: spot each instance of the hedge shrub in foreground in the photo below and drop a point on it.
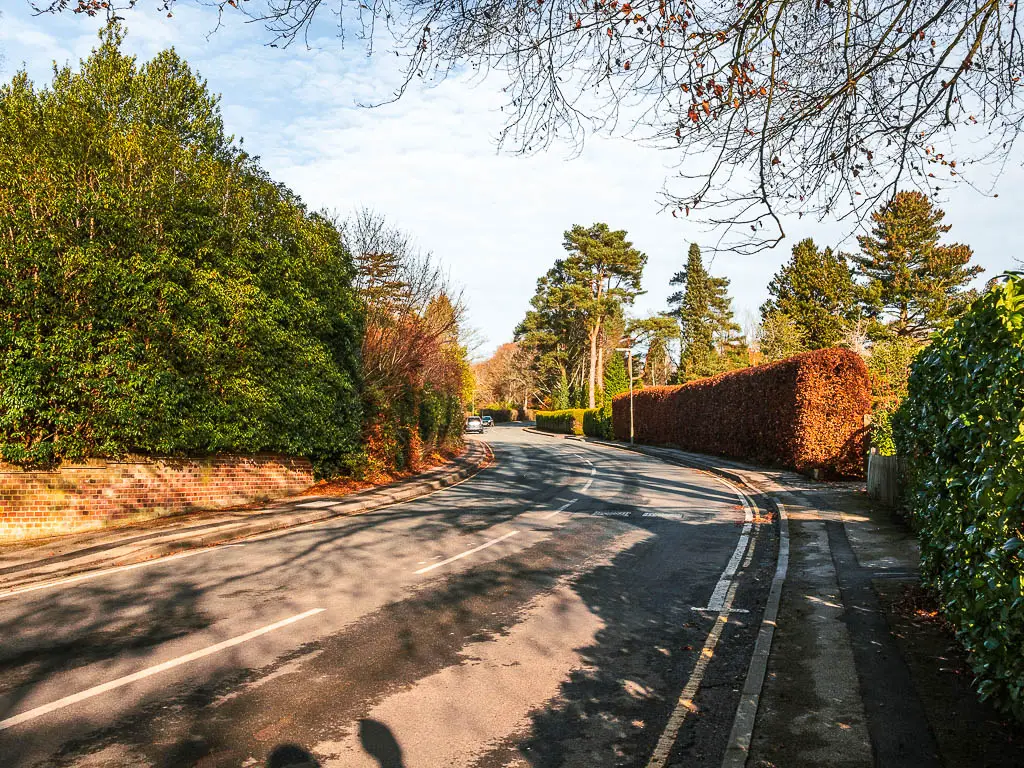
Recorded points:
(159, 293)
(805, 412)
(961, 430)
(569, 422)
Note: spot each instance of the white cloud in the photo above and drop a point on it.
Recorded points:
(429, 162)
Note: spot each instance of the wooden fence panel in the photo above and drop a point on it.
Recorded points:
(884, 474)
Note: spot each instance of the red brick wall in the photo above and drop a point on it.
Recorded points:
(89, 496)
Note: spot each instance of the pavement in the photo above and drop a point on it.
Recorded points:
(568, 605)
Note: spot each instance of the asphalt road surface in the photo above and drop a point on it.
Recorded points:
(553, 610)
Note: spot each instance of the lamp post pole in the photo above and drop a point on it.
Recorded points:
(629, 351)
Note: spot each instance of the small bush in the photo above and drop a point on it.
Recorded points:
(961, 431)
(568, 422)
(806, 412)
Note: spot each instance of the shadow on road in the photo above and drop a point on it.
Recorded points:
(378, 741)
(630, 678)
(291, 756)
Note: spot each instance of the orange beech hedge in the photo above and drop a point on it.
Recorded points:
(805, 413)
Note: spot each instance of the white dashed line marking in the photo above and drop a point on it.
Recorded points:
(120, 682)
(467, 553)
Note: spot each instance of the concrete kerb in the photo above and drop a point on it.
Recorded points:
(468, 465)
(738, 745)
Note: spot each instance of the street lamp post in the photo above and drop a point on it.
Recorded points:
(629, 351)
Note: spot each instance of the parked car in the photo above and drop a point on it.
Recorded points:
(488, 421)
(475, 424)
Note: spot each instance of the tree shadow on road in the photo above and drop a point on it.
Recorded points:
(219, 721)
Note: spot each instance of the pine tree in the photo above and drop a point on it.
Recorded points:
(704, 312)
(815, 290)
(913, 285)
(603, 270)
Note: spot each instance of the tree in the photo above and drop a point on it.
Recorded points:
(554, 331)
(802, 106)
(913, 285)
(815, 290)
(657, 333)
(779, 337)
(603, 270)
(703, 310)
(414, 355)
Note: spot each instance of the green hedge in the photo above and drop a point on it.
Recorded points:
(569, 422)
(159, 293)
(961, 430)
(597, 422)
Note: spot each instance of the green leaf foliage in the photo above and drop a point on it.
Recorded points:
(912, 284)
(616, 377)
(568, 422)
(815, 290)
(889, 366)
(159, 293)
(780, 337)
(961, 430)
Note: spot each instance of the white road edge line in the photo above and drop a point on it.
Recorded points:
(108, 571)
(738, 747)
(667, 740)
(659, 758)
(721, 588)
(468, 552)
(96, 690)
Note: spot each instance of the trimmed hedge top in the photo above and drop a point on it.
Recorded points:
(961, 430)
(806, 412)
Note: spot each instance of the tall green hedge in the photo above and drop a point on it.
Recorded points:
(961, 430)
(568, 421)
(159, 293)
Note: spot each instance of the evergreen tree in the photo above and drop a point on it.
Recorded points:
(815, 290)
(159, 292)
(616, 377)
(704, 312)
(561, 398)
(913, 285)
(656, 332)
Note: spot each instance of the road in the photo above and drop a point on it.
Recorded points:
(550, 611)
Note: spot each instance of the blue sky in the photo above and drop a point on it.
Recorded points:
(430, 162)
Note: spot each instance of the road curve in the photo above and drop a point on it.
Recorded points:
(550, 611)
